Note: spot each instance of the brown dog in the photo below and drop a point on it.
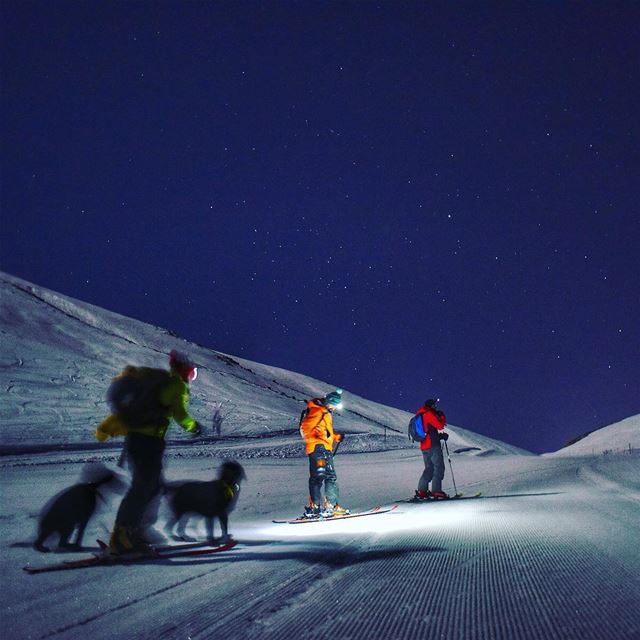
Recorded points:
(214, 499)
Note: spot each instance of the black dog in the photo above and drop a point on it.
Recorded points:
(214, 499)
(72, 508)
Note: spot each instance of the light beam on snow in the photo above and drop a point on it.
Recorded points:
(409, 518)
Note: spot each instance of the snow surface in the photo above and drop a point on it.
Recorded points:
(623, 435)
(549, 550)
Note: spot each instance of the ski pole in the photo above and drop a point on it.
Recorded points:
(122, 459)
(451, 467)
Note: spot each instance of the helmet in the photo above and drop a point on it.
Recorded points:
(432, 402)
(183, 365)
(333, 399)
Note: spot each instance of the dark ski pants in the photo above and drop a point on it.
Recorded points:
(144, 454)
(322, 471)
(433, 469)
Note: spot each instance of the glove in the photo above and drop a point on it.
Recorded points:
(197, 431)
(338, 437)
(443, 436)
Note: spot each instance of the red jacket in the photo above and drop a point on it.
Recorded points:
(430, 419)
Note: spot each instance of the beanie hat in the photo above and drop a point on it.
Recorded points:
(183, 365)
(334, 398)
(432, 402)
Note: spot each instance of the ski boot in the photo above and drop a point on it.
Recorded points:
(312, 511)
(329, 510)
(126, 541)
(332, 510)
(440, 495)
(421, 496)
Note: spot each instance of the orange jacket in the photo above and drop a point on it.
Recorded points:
(317, 427)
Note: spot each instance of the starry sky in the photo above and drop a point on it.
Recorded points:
(404, 199)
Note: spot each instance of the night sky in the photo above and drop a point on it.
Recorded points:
(404, 199)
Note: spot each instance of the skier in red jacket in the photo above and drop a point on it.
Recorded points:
(432, 422)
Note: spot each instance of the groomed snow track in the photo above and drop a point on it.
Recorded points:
(509, 567)
(533, 559)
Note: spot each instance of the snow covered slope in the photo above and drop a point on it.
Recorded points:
(615, 437)
(535, 556)
(59, 354)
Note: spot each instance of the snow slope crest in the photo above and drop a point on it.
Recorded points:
(59, 354)
(620, 436)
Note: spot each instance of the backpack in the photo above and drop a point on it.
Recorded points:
(134, 395)
(415, 430)
(303, 415)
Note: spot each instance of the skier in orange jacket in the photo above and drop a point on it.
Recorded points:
(316, 427)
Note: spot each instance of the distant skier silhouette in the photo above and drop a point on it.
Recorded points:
(217, 420)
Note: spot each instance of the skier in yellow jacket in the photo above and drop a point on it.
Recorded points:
(144, 402)
(316, 427)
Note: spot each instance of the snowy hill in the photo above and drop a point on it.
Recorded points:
(614, 437)
(59, 354)
(535, 541)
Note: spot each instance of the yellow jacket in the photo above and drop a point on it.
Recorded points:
(174, 397)
(317, 427)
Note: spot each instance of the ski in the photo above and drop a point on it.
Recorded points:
(104, 558)
(457, 496)
(370, 512)
(178, 551)
(176, 546)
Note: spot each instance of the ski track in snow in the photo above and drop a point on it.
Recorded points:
(534, 557)
(504, 565)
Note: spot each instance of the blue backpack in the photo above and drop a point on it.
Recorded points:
(415, 431)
